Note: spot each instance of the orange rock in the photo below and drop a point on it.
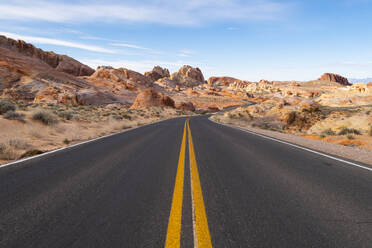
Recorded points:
(61, 63)
(151, 98)
(223, 81)
(334, 78)
(188, 76)
(185, 106)
(157, 73)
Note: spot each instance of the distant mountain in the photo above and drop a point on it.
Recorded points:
(360, 80)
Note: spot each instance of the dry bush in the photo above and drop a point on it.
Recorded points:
(7, 152)
(18, 144)
(12, 115)
(45, 117)
(6, 106)
(328, 132)
(349, 131)
(67, 115)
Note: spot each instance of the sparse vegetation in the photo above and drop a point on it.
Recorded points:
(67, 115)
(6, 106)
(45, 117)
(12, 115)
(350, 137)
(32, 138)
(7, 152)
(18, 144)
(345, 131)
(370, 131)
(328, 132)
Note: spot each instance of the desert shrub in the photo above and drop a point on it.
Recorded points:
(67, 115)
(7, 152)
(45, 117)
(6, 106)
(350, 137)
(117, 117)
(349, 131)
(370, 131)
(128, 117)
(66, 141)
(322, 136)
(22, 106)
(12, 115)
(328, 132)
(18, 143)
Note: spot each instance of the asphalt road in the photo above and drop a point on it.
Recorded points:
(242, 191)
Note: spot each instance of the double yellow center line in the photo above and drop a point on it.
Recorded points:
(202, 236)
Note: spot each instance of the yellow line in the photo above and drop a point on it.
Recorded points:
(173, 239)
(203, 238)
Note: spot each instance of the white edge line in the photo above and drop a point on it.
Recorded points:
(297, 146)
(81, 143)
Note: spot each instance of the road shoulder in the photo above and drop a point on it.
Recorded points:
(351, 153)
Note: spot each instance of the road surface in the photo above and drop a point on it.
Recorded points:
(181, 183)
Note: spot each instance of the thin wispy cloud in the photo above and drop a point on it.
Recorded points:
(168, 12)
(129, 46)
(185, 53)
(49, 41)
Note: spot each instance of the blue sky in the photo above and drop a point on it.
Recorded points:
(251, 39)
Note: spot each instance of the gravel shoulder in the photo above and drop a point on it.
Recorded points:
(352, 153)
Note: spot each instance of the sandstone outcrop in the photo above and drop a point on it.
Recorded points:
(185, 106)
(157, 73)
(59, 62)
(188, 76)
(223, 81)
(151, 98)
(167, 83)
(334, 78)
(120, 75)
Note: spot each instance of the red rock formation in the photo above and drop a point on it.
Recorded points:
(120, 75)
(157, 73)
(61, 63)
(151, 98)
(185, 106)
(223, 81)
(334, 78)
(188, 76)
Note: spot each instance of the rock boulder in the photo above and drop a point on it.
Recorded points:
(185, 106)
(188, 76)
(334, 78)
(151, 98)
(157, 73)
